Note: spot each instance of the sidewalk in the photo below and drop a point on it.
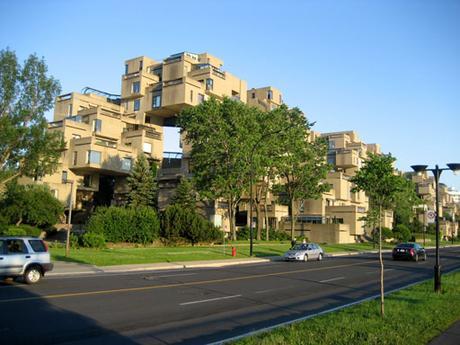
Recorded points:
(449, 337)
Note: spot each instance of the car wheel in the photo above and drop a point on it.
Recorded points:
(32, 275)
(305, 258)
(424, 256)
(320, 256)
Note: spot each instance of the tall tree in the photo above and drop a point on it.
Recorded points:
(220, 134)
(141, 181)
(186, 195)
(405, 202)
(26, 93)
(378, 180)
(302, 166)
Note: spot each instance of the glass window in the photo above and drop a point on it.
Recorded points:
(331, 144)
(141, 64)
(156, 101)
(38, 246)
(126, 68)
(64, 176)
(94, 157)
(191, 96)
(270, 94)
(209, 84)
(137, 104)
(126, 163)
(281, 99)
(16, 247)
(136, 87)
(147, 148)
(253, 95)
(75, 158)
(200, 98)
(97, 125)
(87, 181)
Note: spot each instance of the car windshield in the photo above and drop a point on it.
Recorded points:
(406, 245)
(299, 247)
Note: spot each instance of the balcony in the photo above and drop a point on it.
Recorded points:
(425, 189)
(347, 159)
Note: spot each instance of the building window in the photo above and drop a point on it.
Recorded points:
(64, 176)
(141, 64)
(200, 98)
(137, 104)
(75, 158)
(97, 125)
(331, 144)
(281, 99)
(147, 148)
(253, 95)
(126, 68)
(209, 84)
(270, 94)
(136, 87)
(87, 181)
(148, 119)
(69, 110)
(156, 101)
(191, 96)
(126, 163)
(93, 157)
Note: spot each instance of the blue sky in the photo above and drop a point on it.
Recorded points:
(388, 69)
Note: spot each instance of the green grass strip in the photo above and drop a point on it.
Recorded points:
(412, 316)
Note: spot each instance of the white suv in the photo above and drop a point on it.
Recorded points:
(26, 257)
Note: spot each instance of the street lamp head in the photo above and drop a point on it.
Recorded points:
(455, 167)
(419, 168)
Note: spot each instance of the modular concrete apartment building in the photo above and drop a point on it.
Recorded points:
(449, 204)
(104, 134)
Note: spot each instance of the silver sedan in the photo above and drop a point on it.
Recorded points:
(304, 252)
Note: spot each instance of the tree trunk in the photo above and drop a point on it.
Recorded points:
(382, 292)
(231, 219)
(19, 221)
(292, 219)
(267, 229)
(259, 223)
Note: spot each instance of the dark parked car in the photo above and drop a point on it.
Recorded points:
(410, 251)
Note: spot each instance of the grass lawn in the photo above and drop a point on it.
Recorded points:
(121, 256)
(413, 316)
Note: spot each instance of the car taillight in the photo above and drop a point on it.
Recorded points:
(412, 252)
(45, 245)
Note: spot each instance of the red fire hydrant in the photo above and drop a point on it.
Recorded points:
(233, 251)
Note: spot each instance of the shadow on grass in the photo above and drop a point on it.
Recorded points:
(64, 258)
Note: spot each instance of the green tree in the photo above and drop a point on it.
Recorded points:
(378, 180)
(402, 233)
(405, 201)
(30, 204)
(301, 166)
(186, 195)
(220, 134)
(143, 188)
(26, 93)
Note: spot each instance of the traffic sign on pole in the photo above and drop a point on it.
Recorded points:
(430, 217)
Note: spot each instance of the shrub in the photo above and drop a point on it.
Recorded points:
(401, 233)
(22, 230)
(243, 233)
(74, 241)
(119, 224)
(3, 224)
(93, 240)
(179, 223)
(278, 235)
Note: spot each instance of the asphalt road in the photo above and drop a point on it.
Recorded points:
(194, 306)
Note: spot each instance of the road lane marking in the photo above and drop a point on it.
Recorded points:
(154, 287)
(152, 277)
(331, 280)
(210, 300)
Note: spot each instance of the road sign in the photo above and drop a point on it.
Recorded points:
(430, 216)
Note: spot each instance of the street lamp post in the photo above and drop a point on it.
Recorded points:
(251, 177)
(437, 174)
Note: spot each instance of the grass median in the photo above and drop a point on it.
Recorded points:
(413, 316)
(117, 255)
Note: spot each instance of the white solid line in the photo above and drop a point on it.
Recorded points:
(331, 280)
(210, 300)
